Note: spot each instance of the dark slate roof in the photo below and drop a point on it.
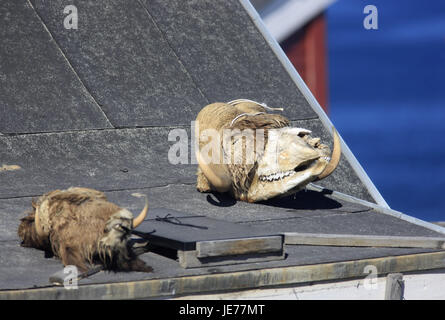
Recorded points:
(93, 107)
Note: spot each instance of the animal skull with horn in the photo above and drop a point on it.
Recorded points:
(81, 227)
(285, 161)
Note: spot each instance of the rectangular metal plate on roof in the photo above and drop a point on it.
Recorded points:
(203, 241)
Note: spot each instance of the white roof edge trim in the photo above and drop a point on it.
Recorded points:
(375, 194)
(292, 15)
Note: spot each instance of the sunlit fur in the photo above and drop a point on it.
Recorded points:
(81, 228)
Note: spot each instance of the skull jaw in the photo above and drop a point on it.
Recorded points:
(264, 190)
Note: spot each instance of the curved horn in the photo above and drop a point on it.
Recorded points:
(335, 157)
(141, 217)
(238, 101)
(218, 176)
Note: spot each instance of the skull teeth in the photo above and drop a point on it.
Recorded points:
(277, 176)
(281, 175)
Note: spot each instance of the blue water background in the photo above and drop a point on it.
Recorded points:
(387, 98)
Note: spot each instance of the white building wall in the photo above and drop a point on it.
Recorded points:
(425, 286)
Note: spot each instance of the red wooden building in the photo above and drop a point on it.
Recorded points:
(300, 28)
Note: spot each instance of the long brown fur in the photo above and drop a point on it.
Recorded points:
(77, 220)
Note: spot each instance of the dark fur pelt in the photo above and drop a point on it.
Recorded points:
(27, 232)
(83, 228)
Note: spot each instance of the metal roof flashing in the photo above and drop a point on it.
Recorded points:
(286, 17)
(293, 73)
(380, 209)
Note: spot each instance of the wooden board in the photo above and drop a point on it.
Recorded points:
(239, 246)
(351, 240)
(190, 259)
(394, 286)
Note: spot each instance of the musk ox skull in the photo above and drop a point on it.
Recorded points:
(280, 161)
(81, 227)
